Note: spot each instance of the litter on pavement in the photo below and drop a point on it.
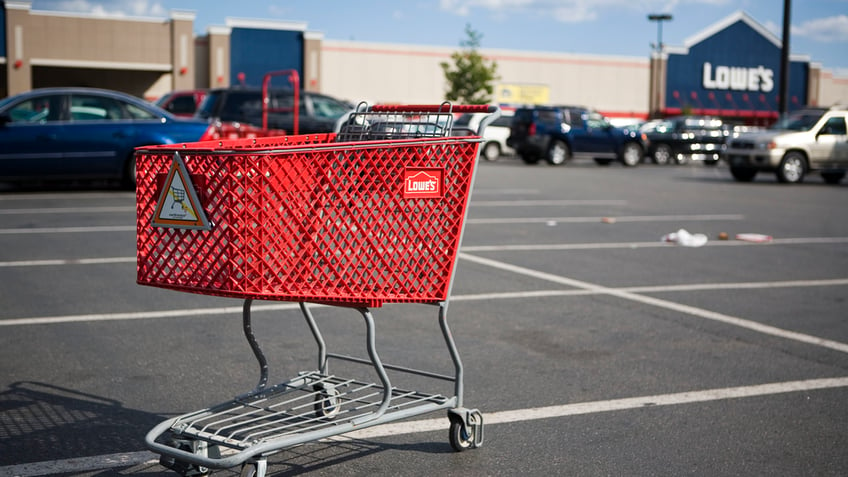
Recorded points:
(684, 238)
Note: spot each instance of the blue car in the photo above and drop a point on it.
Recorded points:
(83, 133)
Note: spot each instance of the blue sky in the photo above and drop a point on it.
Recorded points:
(606, 27)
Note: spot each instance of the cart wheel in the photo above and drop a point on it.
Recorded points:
(254, 469)
(183, 468)
(327, 403)
(248, 470)
(460, 438)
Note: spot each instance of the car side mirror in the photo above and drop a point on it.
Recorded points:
(5, 118)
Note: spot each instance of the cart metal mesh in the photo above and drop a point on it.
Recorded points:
(386, 123)
(312, 219)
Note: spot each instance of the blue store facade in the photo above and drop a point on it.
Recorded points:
(731, 70)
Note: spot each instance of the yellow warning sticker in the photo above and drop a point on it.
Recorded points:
(179, 206)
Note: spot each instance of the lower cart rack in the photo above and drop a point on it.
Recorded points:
(312, 406)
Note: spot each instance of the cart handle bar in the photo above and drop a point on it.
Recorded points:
(434, 108)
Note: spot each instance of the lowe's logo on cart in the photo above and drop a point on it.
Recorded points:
(422, 183)
(738, 78)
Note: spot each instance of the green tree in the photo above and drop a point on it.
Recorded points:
(470, 77)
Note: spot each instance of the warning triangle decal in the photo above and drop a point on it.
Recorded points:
(178, 206)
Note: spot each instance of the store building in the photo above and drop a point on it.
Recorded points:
(732, 69)
(147, 57)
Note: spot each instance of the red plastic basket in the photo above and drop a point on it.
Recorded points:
(303, 218)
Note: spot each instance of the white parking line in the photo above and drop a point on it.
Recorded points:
(657, 244)
(591, 220)
(669, 305)
(260, 307)
(66, 230)
(484, 191)
(483, 248)
(68, 196)
(128, 459)
(80, 261)
(545, 203)
(144, 315)
(66, 210)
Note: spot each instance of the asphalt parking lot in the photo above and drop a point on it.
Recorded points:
(591, 347)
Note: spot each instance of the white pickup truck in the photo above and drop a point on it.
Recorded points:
(804, 141)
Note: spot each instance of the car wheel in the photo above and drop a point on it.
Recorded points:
(743, 174)
(558, 153)
(792, 168)
(833, 177)
(528, 159)
(129, 173)
(491, 151)
(662, 154)
(631, 155)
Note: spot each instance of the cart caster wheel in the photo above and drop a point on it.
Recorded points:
(327, 403)
(248, 470)
(186, 469)
(254, 469)
(466, 429)
(460, 438)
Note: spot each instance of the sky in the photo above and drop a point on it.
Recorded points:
(604, 27)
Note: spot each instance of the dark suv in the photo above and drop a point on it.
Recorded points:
(317, 113)
(558, 133)
(679, 139)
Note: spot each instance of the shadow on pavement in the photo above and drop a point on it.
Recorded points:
(41, 422)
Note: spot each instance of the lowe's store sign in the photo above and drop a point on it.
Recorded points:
(732, 69)
(738, 79)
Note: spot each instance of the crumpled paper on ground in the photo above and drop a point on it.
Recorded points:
(683, 238)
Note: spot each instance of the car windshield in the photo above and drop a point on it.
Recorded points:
(326, 107)
(664, 126)
(463, 120)
(800, 121)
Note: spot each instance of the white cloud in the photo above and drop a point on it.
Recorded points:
(576, 12)
(826, 30)
(138, 8)
(565, 11)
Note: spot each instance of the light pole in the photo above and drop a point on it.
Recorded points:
(659, 18)
(658, 68)
(783, 102)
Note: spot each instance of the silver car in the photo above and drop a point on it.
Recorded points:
(804, 141)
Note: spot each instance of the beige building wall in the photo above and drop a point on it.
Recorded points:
(311, 80)
(833, 90)
(201, 62)
(393, 73)
(182, 50)
(585, 80)
(218, 72)
(18, 70)
(127, 54)
(385, 73)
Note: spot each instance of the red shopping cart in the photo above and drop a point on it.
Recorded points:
(370, 214)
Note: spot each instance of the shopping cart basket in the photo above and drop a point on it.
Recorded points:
(370, 214)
